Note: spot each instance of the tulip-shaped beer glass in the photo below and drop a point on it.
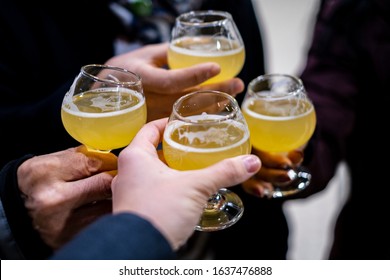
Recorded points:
(206, 127)
(207, 36)
(281, 118)
(104, 108)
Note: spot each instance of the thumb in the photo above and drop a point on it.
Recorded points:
(230, 172)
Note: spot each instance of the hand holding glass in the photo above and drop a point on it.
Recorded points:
(207, 36)
(104, 108)
(281, 118)
(204, 128)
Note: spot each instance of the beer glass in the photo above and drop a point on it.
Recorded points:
(104, 108)
(204, 128)
(281, 118)
(207, 36)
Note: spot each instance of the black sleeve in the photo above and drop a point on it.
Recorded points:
(18, 239)
(117, 237)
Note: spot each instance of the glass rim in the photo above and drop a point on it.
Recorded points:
(298, 89)
(235, 111)
(186, 18)
(137, 78)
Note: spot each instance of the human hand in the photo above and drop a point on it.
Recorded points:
(65, 191)
(274, 170)
(162, 87)
(171, 200)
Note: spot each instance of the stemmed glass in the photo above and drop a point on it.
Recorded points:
(207, 36)
(104, 108)
(281, 118)
(206, 127)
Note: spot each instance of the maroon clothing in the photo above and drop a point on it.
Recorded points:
(348, 76)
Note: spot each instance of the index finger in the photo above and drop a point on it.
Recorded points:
(176, 80)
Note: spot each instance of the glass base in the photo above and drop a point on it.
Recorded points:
(300, 179)
(223, 210)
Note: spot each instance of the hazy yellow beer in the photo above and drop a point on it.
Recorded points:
(188, 146)
(280, 126)
(105, 119)
(188, 51)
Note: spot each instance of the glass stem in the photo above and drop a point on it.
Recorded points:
(215, 202)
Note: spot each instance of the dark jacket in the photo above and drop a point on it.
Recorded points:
(43, 47)
(347, 76)
(129, 238)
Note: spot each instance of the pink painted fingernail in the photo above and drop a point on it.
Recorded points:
(252, 163)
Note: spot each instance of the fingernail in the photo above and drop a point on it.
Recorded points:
(238, 86)
(214, 70)
(299, 153)
(252, 163)
(257, 193)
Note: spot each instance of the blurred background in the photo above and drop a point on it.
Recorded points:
(287, 28)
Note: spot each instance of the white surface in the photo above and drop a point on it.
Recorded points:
(311, 220)
(287, 29)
